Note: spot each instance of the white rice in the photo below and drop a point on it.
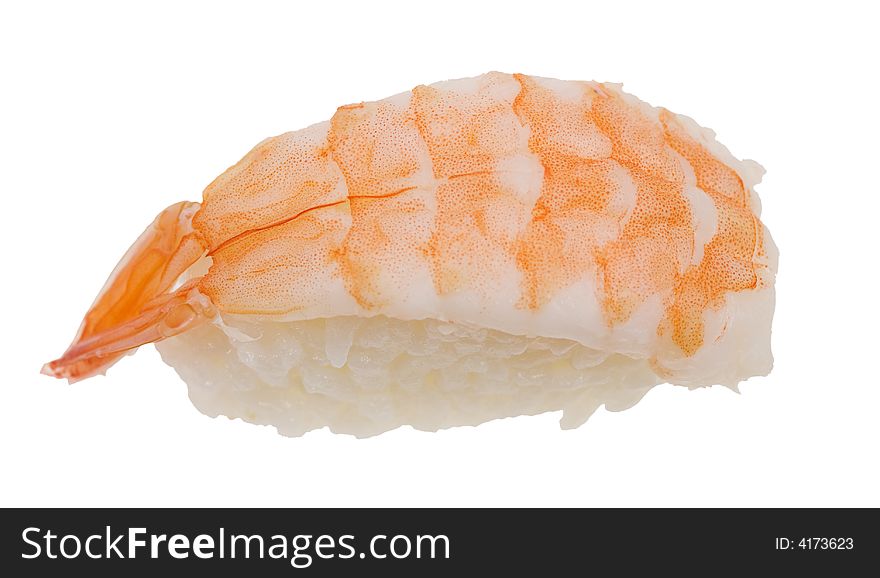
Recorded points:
(364, 376)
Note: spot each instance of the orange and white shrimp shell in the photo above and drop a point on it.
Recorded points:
(613, 244)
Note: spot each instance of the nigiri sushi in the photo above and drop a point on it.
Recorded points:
(475, 249)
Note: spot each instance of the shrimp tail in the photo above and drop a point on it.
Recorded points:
(138, 304)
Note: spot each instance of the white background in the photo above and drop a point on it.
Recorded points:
(110, 113)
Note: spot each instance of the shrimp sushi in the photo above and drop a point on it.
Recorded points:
(480, 248)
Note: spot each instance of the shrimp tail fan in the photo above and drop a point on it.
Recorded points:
(138, 303)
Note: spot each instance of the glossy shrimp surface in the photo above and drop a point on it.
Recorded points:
(517, 203)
